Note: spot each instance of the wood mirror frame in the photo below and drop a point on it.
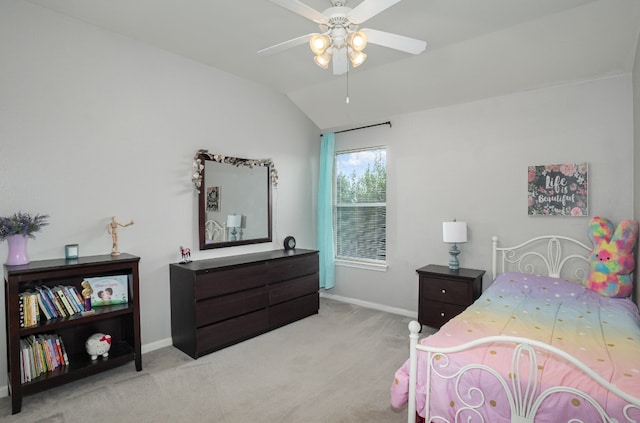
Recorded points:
(246, 193)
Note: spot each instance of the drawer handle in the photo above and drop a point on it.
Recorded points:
(442, 314)
(444, 291)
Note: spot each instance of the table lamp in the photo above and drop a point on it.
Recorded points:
(234, 221)
(454, 233)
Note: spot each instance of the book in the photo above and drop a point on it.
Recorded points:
(56, 302)
(109, 290)
(65, 357)
(45, 305)
(59, 292)
(21, 308)
(67, 294)
(25, 365)
(74, 298)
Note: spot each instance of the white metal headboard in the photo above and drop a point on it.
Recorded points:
(529, 257)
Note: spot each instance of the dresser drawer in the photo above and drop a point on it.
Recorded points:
(293, 288)
(223, 334)
(436, 314)
(447, 291)
(220, 308)
(293, 310)
(246, 277)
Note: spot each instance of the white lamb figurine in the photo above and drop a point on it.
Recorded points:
(98, 344)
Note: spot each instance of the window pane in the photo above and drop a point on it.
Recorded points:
(360, 205)
(361, 232)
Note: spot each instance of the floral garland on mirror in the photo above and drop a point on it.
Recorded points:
(199, 166)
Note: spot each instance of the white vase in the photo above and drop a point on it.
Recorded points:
(17, 250)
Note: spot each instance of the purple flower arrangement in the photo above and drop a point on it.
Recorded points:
(22, 224)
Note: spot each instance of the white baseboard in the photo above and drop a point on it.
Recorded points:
(156, 345)
(152, 346)
(367, 304)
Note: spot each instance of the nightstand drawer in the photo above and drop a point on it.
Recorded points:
(446, 291)
(435, 314)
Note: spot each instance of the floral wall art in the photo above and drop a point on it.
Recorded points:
(558, 190)
(213, 199)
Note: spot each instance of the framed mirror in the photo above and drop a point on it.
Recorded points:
(234, 200)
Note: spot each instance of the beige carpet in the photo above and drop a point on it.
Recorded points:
(336, 366)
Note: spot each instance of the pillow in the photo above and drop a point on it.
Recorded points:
(612, 257)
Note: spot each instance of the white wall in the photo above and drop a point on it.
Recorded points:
(93, 125)
(469, 162)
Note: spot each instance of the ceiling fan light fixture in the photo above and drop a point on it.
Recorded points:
(319, 44)
(357, 40)
(323, 59)
(357, 58)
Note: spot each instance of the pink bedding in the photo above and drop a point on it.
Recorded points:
(603, 333)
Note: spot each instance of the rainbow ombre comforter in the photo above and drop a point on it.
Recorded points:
(601, 332)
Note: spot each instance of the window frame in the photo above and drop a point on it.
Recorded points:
(354, 262)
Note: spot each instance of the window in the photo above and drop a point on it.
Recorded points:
(360, 205)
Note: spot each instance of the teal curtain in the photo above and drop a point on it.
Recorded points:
(325, 212)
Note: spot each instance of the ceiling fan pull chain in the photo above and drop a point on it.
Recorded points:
(347, 50)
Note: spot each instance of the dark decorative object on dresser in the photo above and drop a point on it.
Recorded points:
(445, 293)
(71, 326)
(219, 302)
(289, 243)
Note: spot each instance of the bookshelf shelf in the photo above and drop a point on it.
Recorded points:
(121, 321)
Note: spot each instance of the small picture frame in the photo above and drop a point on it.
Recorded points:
(71, 251)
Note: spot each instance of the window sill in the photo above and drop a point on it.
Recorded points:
(362, 265)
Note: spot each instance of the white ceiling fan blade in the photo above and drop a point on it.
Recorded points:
(339, 61)
(302, 10)
(285, 45)
(395, 41)
(369, 8)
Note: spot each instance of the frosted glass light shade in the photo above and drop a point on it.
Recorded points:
(319, 44)
(234, 220)
(323, 60)
(454, 232)
(357, 40)
(357, 58)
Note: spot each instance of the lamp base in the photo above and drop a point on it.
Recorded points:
(454, 264)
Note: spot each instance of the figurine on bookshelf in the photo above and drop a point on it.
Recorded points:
(186, 254)
(86, 294)
(98, 344)
(112, 229)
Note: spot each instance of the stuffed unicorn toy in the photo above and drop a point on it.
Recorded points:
(612, 257)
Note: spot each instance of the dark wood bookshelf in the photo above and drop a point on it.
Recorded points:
(121, 321)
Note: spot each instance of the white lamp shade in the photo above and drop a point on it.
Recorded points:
(454, 232)
(234, 220)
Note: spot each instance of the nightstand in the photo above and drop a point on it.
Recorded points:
(445, 293)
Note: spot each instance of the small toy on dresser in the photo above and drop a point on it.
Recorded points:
(186, 254)
(98, 344)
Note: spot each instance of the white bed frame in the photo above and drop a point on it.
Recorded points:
(524, 401)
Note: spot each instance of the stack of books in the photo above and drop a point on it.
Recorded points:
(59, 301)
(40, 354)
(29, 309)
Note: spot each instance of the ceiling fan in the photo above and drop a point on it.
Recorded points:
(340, 37)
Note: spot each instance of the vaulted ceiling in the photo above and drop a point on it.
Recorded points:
(475, 48)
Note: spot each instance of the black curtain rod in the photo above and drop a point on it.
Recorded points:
(364, 127)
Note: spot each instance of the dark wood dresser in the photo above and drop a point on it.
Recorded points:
(445, 293)
(219, 302)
